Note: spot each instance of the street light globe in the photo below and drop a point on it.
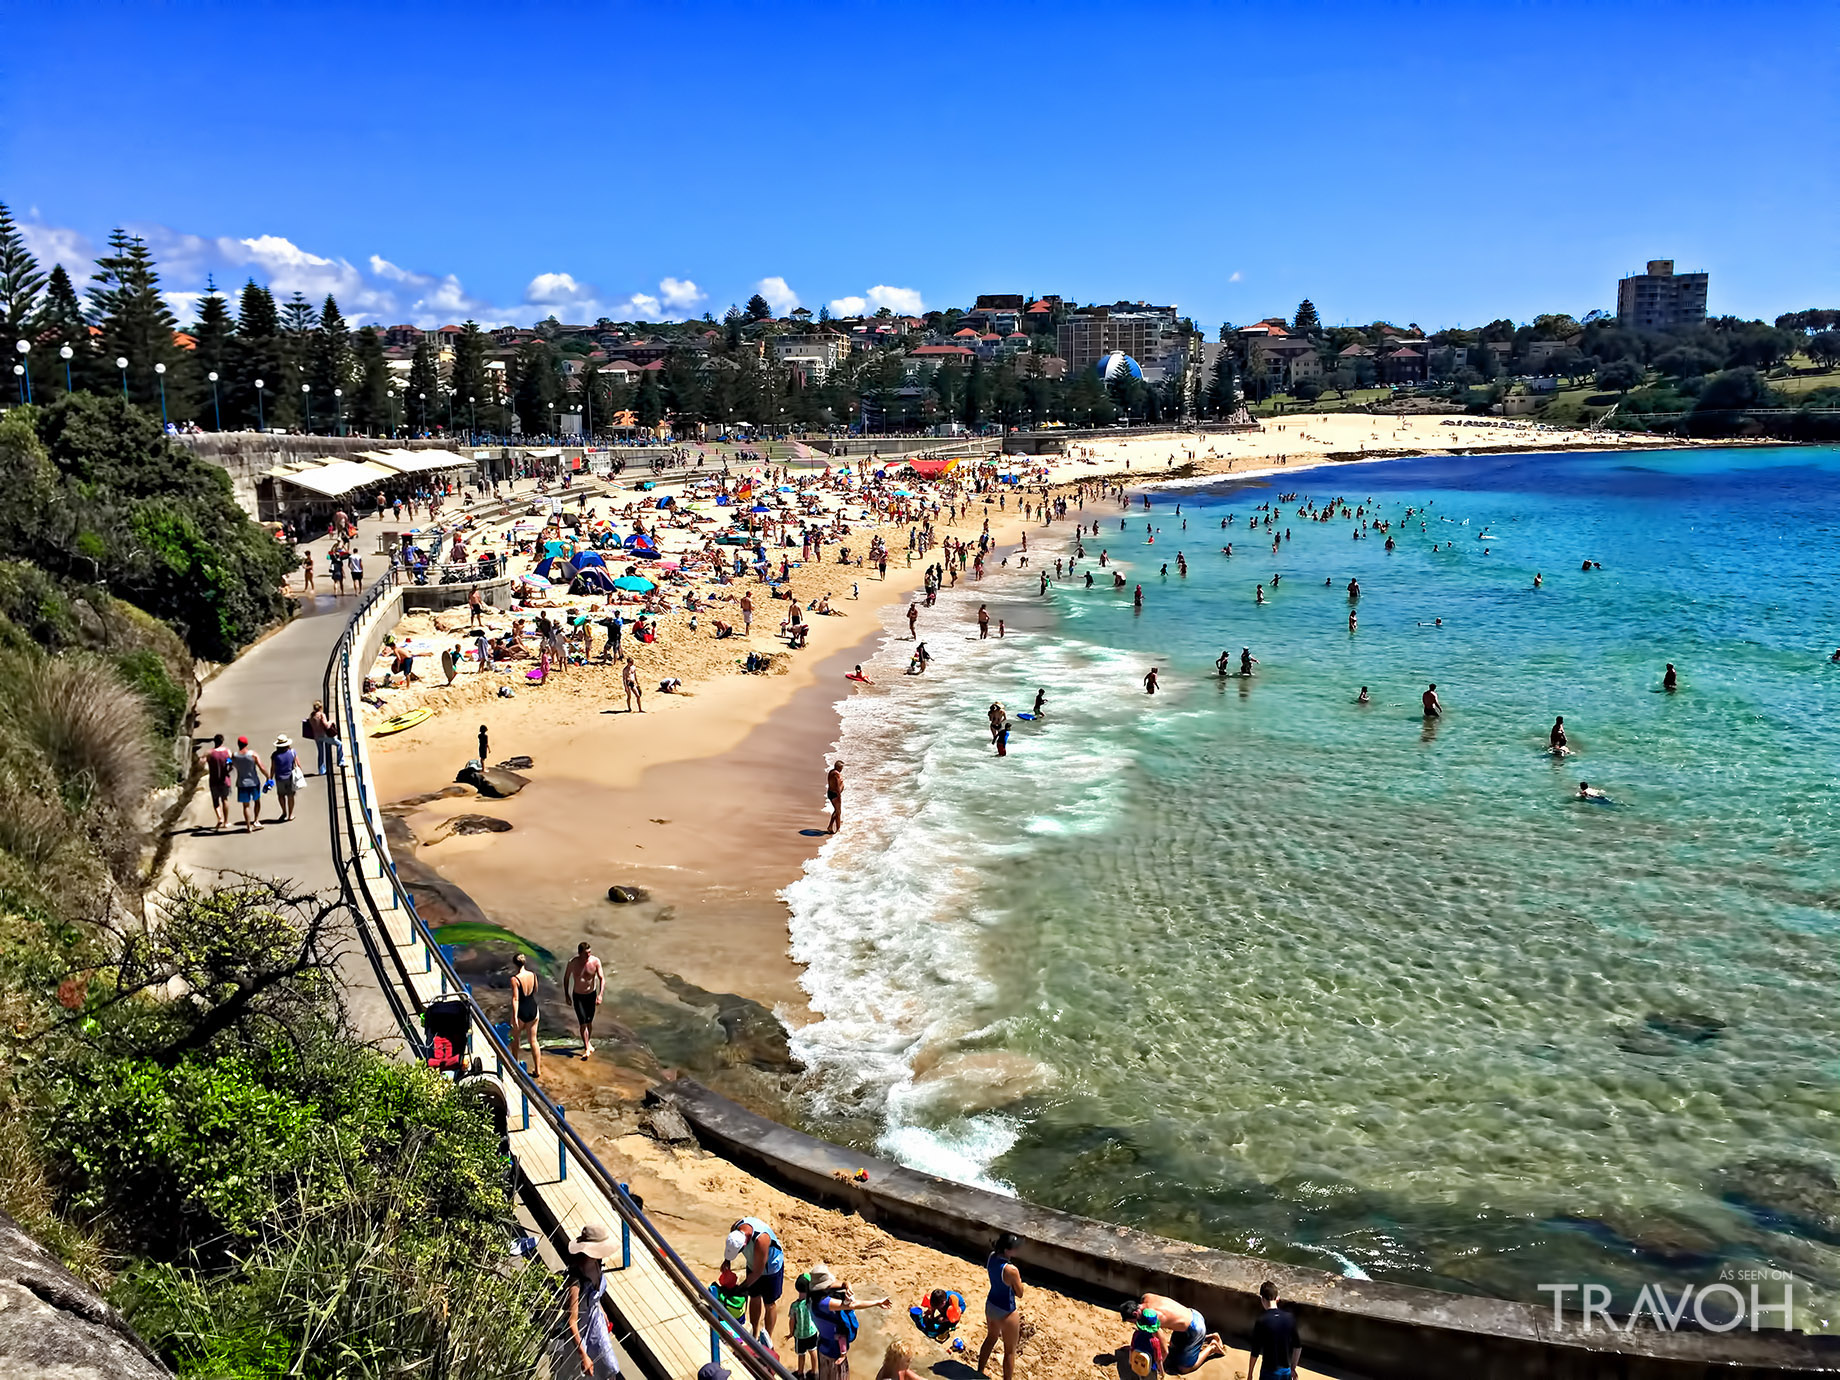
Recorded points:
(306, 387)
(19, 368)
(65, 352)
(338, 392)
(258, 383)
(24, 347)
(159, 368)
(121, 361)
(212, 376)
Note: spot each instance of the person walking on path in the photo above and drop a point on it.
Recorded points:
(217, 774)
(1003, 1307)
(524, 1012)
(629, 681)
(583, 1348)
(306, 572)
(833, 792)
(283, 764)
(763, 1273)
(585, 982)
(247, 772)
(1274, 1340)
(325, 736)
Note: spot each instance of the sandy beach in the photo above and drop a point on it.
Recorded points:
(711, 799)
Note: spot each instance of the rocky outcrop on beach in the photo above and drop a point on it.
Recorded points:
(753, 1034)
(495, 783)
(54, 1325)
(466, 824)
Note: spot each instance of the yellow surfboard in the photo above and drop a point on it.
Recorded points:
(409, 718)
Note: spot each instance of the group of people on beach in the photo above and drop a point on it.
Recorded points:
(1167, 1337)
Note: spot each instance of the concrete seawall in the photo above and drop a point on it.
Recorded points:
(1381, 1330)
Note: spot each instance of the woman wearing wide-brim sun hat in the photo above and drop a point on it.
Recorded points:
(284, 771)
(584, 1343)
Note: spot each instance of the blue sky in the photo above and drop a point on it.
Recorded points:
(1438, 163)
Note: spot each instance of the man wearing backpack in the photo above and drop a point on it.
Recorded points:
(833, 1311)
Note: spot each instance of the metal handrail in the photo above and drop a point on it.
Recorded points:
(757, 1359)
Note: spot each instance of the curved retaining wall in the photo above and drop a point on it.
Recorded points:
(1381, 1330)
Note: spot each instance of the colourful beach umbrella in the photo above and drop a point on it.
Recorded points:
(634, 582)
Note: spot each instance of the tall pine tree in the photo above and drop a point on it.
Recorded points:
(330, 366)
(21, 282)
(370, 409)
(422, 400)
(259, 352)
(1306, 322)
(213, 331)
(61, 323)
(473, 398)
(298, 320)
(137, 325)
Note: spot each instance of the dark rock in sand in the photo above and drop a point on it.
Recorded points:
(53, 1324)
(625, 895)
(516, 764)
(664, 1122)
(467, 824)
(754, 1034)
(493, 782)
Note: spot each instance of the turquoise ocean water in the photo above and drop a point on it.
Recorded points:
(1253, 965)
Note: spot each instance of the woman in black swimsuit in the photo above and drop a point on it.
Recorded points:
(524, 1012)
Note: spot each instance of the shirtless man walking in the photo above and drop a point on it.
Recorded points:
(833, 792)
(1434, 708)
(585, 983)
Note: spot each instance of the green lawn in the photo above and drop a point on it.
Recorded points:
(1805, 383)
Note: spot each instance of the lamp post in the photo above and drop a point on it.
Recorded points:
(160, 373)
(25, 374)
(424, 398)
(19, 377)
(306, 398)
(66, 354)
(121, 363)
(393, 399)
(215, 407)
(338, 412)
(261, 421)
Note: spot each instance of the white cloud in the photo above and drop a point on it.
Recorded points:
(373, 291)
(640, 306)
(778, 293)
(849, 306)
(904, 301)
(1235, 277)
(383, 268)
(184, 305)
(680, 294)
(556, 288)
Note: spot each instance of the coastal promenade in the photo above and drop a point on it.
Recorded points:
(391, 972)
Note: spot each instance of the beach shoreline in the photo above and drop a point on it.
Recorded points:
(714, 809)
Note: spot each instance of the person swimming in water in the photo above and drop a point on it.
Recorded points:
(1150, 682)
(1434, 708)
(1261, 594)
(1556, 739)
(1362, 698)
(1670, 678)
(1586, 791)
(1247, 661)
(1223, 662)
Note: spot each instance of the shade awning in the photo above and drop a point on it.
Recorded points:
(340, 477)
(417, 461)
